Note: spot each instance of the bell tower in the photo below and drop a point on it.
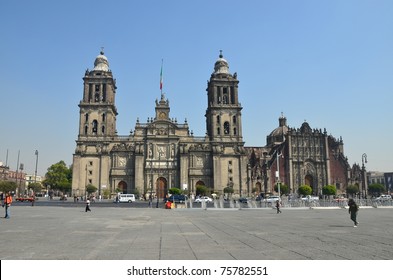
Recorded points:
(97, 115)
(223, 114)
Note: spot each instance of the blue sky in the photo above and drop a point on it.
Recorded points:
(327, 62)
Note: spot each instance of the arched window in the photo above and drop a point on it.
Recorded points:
(234, 119)
(86, 117)
(95, 127)
(104, 93)
(218, 131)
(103, 129)
(218, 119)
(225, 97)
(234, 131)
(86, 129)
(226, 128)
(103, 117)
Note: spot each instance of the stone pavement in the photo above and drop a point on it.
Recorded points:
(110, 233)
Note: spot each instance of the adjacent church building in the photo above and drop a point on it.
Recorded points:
(162, 153)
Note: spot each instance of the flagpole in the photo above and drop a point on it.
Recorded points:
(161, 78)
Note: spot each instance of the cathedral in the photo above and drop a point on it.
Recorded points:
(162, 153)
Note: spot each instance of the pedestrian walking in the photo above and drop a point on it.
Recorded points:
(353, 211)
(278, 204)
(32, 199)
(7, 204)
(87, 205)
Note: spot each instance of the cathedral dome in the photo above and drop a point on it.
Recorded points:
(278, 135)
(282, 129)
(101, 63)
(221, 65)
(279, 131)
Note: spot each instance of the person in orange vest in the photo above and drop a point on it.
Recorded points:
(7, 203)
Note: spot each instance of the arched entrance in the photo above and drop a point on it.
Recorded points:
(122, 186)
(202, 184)
(309, 181)
(258, 187)
(162, 187)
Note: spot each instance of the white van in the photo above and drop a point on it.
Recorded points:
(125, 197)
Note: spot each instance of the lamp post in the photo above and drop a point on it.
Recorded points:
(158, 179)
(278, 173)
(264, 170)
(151, 184)
(364, 177)
(248, 179)
(21, 167)
(36, 164)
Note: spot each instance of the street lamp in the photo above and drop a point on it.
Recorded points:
(278, 173)
(158, 178)
(21, 167)
(248, 179)
(36, 163)
(264, 170)
(364, 178)
(151, 184)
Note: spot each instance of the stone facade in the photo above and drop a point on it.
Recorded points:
(297, 157)
(161, 153)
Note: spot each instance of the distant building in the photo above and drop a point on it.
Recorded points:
(4, 172)
(383, 178)
(389, 182)
(31, 178)
(376, 177)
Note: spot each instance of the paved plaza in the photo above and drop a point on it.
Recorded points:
(110, 233)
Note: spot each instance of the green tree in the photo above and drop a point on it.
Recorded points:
(284, 189)
(91, 189)
(36, 187)
(202, 190)
(329, 190)
(174, 191)
(352, 190)
(376, 189)
(229, 190)
(58, 177)
(7, 186)
(305, 190)
(106, 193)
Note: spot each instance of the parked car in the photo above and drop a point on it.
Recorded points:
(203, 198)
(384, 197)
(340, 199)
(178, 198)
(310, 198)
(123, 197)
(272, 199)
(243, 200)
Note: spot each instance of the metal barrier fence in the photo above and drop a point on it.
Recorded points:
(315, 203)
